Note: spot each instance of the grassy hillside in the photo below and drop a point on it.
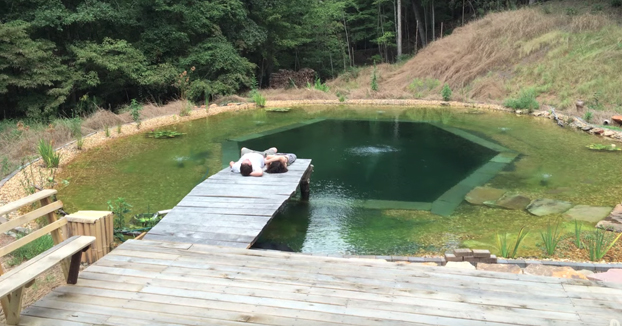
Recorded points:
(561, 51)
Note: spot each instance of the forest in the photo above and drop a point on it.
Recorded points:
(65, 58)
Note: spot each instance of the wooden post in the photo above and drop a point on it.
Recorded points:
(14, 303)
(97, 224)
(57, 235)
(304, 183)
(74, 268)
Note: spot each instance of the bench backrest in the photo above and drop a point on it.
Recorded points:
(48, 207)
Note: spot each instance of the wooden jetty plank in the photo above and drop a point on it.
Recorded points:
(251, 201)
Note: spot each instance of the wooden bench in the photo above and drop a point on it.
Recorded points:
(13, 282)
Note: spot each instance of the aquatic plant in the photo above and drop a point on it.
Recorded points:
(278, 109)
(577, 234)
(588, 116)
(504, 247)
(446, 93)
(551, 238)
(50, 157)
(164, 134)
(601, 147)
(599, 243)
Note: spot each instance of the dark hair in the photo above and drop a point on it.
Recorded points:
(246, 169)
(276, 167)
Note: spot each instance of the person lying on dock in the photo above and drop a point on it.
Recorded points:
(279, 162)
(251, 163)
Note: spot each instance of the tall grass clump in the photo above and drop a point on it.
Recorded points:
(374, 79)
(599, 243)
(50, 157)
(588, 116)
(107, 131)
(259, 99)
(551, 238)
(31, 250)
(135, 109)
(321, 87)
(505, 249)
(75, 125)
(526, 100)
(446, 93)
(577, 234)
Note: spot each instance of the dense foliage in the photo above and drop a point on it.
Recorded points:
(67, 57)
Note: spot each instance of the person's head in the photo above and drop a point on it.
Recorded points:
(246, 168)
(276, 167)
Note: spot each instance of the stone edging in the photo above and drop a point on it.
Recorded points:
(594, 267)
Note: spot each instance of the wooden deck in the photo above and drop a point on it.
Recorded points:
(158, 283)
(228, 209)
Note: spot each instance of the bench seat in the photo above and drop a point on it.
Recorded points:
(13, 282)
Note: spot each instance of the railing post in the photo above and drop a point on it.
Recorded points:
(57, 235)
(305, 183)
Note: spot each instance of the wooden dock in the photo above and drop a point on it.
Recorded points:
(230, 210)
(158, 283)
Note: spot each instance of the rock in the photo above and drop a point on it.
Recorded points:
(588, 213)
(580, 105)
(513, 202)
(541, 113)
(609, 133)
(542, 207)
(479, 195)
(519, 112)
(586, 128)
(617, 119)
(612, 275)
(554, 271)
(460, 265)
(213, 105)
(597, 131)
(613, 221)
(503, 268)
(585, 272)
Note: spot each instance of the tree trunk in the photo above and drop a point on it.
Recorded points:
(399, 28)
(420, 25)
(433, 22)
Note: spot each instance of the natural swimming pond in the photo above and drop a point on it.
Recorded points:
(372, 168)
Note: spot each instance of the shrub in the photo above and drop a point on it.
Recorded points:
(31, 250)
(374, 79)
(135, 109)
(321, 87)
(418, 86)
(571, 12)
(588, 116)
(50, 157)
(504, 247)
(526, 101)
(599, 243)
(259, 99)
(342, 98)
(446, 93)
(551, 238)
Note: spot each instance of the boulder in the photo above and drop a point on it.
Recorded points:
(588, 213)
(617, 119)
(580, 105)
(502, 268)
(612, 275)
(597, 131)
(613, 221)
(479, 195)
(609, 133)
(553, 271)
(517, 202)
(542, 207)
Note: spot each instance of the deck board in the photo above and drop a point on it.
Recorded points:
(227, 209)
(162, 283)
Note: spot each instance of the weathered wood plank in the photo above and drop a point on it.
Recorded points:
(13, 206)
(156, 237)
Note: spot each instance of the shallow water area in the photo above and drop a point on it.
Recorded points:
(155, 174)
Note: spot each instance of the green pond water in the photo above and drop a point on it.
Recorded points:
(389, 156)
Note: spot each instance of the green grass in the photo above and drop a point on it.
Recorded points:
(31, 250)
